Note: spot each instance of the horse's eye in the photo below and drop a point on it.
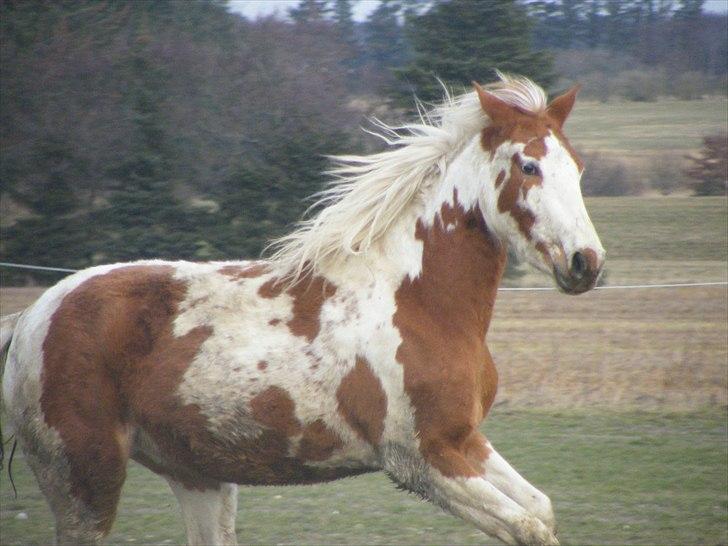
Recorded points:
(530, 169)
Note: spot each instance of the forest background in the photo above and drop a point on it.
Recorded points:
(178, 129)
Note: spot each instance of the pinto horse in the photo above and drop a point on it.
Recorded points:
(360, 345)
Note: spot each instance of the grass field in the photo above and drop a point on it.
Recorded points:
(646, 129)
(614, 478)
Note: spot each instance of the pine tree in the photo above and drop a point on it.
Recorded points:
(460, 40)
(144, 218)
(310, 11)
(710, 168)
(385, 40)
(344, 19)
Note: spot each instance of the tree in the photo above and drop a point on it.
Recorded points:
(710, 168)
(460, 40)
(310, 11)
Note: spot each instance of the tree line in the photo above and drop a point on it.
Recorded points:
(159, 128)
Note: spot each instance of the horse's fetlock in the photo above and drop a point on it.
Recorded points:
(533, 532)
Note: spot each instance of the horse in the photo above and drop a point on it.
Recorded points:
(358, 345)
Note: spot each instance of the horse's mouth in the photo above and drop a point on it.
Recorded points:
(575, 284)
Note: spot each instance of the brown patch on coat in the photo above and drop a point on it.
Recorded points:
(536, 148)
(248, 271)
(362, 402)
(104, 339)
(308, 298)
(443, 316)
(318, 442)
(274, 322)
(275, 409)
(500, 178)
(517, 186)
(262, 365)
(518, 128)
(270, 289)
(309, 294)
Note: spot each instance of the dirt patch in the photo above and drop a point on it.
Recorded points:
(645, 349)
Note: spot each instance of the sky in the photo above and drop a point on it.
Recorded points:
(256, 8)
(362, 8)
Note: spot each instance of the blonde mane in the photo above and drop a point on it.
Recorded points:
(367, 194)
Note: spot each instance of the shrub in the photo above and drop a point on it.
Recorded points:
(709, 169)
(665, 174)
(639, 85)
(606, 176)
(689, 85)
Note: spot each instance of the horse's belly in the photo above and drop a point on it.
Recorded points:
(268, 458)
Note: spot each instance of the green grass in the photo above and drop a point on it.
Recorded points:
(646, 128)
(658, 228)
(615, 478)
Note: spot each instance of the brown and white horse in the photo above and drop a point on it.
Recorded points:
(359, 346)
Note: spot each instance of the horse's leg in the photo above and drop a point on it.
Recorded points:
(81, 484)
(209, 515)
(456, 485)
(505, 478)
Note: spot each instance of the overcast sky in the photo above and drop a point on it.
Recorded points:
(255, 8)
(362, 8)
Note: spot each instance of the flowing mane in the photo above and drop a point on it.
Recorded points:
(368, 192)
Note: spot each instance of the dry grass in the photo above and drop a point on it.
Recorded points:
(647, 349)
(645, 129)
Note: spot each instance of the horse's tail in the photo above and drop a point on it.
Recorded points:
(7, 328)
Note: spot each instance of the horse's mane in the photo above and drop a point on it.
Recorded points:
(367, 193)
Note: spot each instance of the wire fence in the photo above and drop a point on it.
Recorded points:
(503, 289)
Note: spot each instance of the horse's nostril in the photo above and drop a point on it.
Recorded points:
(579, 265)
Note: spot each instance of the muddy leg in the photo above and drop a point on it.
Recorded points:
(82, 489)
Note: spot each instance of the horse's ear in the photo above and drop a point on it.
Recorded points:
(497, 110)
(561, 106)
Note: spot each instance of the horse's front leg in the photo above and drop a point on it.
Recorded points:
(505, 478)
(481, 489)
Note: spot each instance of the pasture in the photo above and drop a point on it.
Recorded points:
(613, 403)
(645, 130)
(614, 478)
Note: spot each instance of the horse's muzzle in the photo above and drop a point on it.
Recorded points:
(582, 273)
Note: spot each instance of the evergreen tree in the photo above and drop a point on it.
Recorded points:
(385, 40)
(310, 11)
(344, 19)
(710, 168)
(144, 218)
(461, 40)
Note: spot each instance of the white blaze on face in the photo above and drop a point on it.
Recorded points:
(562, 224)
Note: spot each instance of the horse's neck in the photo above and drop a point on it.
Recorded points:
(458, 263)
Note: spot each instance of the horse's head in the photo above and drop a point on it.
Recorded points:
(533, 200)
